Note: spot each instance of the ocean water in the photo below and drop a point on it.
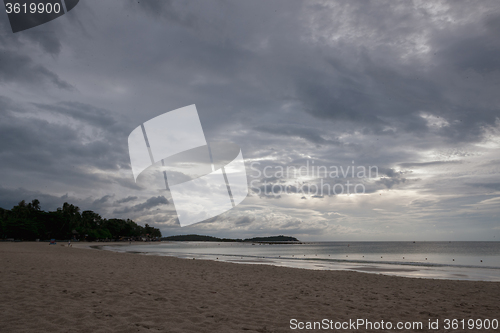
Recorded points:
(478, 261)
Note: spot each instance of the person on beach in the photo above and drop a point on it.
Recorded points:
(69, 243)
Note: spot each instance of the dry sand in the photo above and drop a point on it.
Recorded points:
(59, 289)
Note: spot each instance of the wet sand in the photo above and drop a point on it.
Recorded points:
(60, 289)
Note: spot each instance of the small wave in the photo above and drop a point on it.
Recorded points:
(354, 261)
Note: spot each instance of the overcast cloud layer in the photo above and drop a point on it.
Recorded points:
(410, 88)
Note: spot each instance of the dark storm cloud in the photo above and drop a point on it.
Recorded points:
(10, 197)
(127, 199)
(23, 67)
(62, 151)
(371, 77)
(167, 9)
(47, 39)
(17, 67)
(46, 146)
(5, 105)
(477, 51)
(84, 112)
(350, 102)
(150, 203)
(101, 201)
(370, 84)
(375, 97)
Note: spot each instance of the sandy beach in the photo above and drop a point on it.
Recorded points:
(61, 289)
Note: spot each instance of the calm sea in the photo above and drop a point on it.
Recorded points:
(440, 260)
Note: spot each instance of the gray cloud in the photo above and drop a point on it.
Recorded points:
(150, 203)
(41, 143)
(298, 132)
(101, 201)
(390, 182)
(493, 186)
(127, 199)
(244, 220)
(427, 164)
(84, 112)
(17, 67)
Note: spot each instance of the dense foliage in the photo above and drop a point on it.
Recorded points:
(27, 221)
(200, 238)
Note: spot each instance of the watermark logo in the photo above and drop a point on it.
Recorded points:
(204, 179)
(316, 181)
(25, 15)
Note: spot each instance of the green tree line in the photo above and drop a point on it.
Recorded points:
(28, 222)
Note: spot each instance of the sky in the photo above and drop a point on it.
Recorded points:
(408, 90)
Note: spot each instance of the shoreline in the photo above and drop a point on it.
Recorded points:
(400, 269)
(425, 271)
(62, 289)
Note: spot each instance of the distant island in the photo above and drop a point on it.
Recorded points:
(200, 238)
